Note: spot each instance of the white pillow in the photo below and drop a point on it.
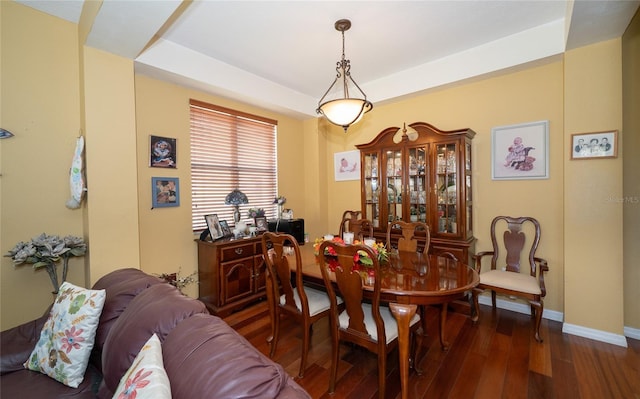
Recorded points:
(146, 378)
(67, 337)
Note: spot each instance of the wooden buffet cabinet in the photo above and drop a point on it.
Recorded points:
(231, 273)
(421, 177)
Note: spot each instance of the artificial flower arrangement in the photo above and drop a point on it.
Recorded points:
(253, 213)
(45, 251)
(179, 281)
(361, 258)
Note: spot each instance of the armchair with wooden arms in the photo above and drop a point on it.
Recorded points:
(306, 305)
(504, 275)
(367, 324)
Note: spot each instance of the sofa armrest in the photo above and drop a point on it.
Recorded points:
(17, 343)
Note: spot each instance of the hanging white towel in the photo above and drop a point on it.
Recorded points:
(76, 179)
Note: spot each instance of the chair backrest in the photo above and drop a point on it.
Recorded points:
(514, 241)
(414, 235)
(361, 228)
(349, 283)
(274, 248)
(347, 218)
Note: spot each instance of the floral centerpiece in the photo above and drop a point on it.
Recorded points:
(253, 213)
(362, 261)
(46, 251)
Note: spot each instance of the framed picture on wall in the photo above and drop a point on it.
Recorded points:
(165, 192)
(162, 152)
(596, 145)
(520, 151)
(347, 165)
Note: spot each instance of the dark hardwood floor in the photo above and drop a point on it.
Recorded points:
(496, 358)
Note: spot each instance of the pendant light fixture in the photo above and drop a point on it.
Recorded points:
(344, 111)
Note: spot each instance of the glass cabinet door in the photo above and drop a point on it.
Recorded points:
(372, 189)
(469, 202)
(393, 185)
(446, 188)
(418, 183)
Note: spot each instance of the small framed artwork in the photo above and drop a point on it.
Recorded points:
(165, 192)
(520, 151)
(226, 231)
(162, 152)
(215, 230)
(594, 145)
(261, 223)
(347, 165)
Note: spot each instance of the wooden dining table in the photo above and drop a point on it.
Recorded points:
(409, 279)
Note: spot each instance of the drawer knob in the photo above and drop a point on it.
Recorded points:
(238, 251)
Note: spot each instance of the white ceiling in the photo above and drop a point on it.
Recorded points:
(281, 55)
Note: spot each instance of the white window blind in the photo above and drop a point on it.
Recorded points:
(230, 149)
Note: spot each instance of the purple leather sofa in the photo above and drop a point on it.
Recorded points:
(202, 355)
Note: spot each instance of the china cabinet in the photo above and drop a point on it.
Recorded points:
(421, 174)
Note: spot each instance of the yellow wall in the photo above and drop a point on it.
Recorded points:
(630, 137)
(112, 196)
(530, 95)
(162, 109)
(40, 104)
(119, 110)
(593, 222)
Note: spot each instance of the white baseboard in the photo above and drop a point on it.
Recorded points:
(521, 308)
(632, 332)
(598, 335)
(573, 329)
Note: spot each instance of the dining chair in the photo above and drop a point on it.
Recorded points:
(414, 236)
(361, 229)
(364, 323)
(347, 217)
(306, 305)
(504, 275)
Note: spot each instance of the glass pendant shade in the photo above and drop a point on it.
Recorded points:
(343, 110)
(346, 111)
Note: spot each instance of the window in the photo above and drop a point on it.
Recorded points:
(230, 149)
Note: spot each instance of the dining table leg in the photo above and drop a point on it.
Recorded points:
(443, 325)
(403, 314)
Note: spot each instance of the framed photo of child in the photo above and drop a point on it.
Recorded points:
(520, 151)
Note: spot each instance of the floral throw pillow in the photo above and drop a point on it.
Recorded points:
(146, 378)
(67, 337)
